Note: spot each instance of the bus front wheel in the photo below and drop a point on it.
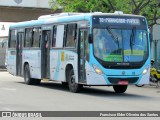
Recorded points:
(73, 86)
(120, 88)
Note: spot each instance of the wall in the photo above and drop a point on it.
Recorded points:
(17, 14)
(155, 44)
(26, 3)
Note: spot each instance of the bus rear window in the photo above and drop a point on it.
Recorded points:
(12, 41)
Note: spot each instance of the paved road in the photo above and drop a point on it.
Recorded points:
(49, 96)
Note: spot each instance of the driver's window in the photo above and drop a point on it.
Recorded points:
(139, 40)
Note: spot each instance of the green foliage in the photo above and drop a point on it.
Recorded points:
(148, 8)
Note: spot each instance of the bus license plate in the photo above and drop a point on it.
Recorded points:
(123, 83)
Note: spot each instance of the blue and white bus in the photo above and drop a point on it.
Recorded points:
(92, 49)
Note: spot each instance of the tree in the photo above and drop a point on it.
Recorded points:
(147, 8)
(80, 5)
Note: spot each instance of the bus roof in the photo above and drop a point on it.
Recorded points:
(65, 17)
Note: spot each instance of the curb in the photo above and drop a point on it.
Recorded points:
(3, 70)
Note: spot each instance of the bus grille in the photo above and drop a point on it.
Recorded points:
(116, 80)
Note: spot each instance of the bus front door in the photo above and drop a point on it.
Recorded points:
(45, 55)
(83, 48)
(20, 38)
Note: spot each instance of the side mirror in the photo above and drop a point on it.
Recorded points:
(150, 33)
(90, 38)
(2, 44)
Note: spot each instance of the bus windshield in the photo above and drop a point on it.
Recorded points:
(120, 44)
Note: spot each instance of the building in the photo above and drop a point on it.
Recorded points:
(16, 11)
(155, 43)
(4, 28)
(22, 10)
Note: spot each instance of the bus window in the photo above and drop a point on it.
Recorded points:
(59, 36)
(54, 36)
(36, 37)
(86, 36)
(71, 35)
(12, 42)
(28, 37)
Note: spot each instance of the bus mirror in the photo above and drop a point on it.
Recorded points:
(90, 38)
(2, 44)
(150, 34)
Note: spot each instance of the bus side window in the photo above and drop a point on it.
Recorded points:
(54, 36)
(71, 35)
(12, 41)
(60, 36)
(28, 37)
(65, 35)
(36, 37)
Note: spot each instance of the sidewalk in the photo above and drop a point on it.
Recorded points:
(152, 86)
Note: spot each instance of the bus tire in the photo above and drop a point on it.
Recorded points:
(27, 79)
(120, 88)
(64, 84)
(36, 81)
(73, 86)
(139, 85)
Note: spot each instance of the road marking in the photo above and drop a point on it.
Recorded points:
(9, 89)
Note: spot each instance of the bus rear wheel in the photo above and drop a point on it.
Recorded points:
(73, 86)
(27, 78)
(120, 88)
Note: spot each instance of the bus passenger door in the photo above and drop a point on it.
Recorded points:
(83, 55)
(20, 38)
(45, 55)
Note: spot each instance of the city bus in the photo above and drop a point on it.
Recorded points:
(81, 49)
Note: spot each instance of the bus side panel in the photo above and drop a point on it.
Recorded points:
(57, 69)
(58, 62)
(33, 58)
(54, 58)
(71, 58)
(11, 61)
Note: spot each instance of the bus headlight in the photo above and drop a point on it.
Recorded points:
(97, 70)
(145, 71)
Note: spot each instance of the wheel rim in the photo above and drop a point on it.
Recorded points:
(73, 86)
(72, 80)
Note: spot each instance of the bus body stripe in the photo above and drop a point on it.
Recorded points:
(57, 67)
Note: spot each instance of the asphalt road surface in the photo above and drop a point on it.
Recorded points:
(51, 96)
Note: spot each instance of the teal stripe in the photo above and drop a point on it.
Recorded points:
(57, 67)
(27, 23)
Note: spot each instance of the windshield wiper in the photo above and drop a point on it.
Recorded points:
(132, 38)
(115, 38)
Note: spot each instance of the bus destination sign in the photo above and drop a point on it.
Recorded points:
(115, 20)
(119, 20)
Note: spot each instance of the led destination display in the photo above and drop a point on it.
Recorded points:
(118, 20)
